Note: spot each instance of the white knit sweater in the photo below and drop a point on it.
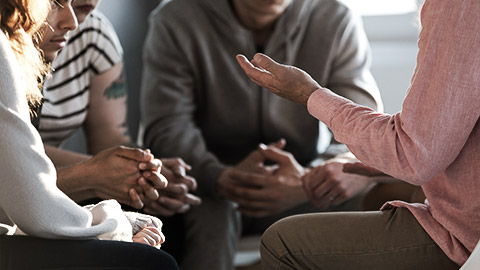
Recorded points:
(29, 197)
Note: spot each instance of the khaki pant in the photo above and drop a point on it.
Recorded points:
(389, 240)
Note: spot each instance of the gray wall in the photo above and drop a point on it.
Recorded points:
(393, 40)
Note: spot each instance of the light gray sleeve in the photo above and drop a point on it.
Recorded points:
(168, 104)
(350, 76)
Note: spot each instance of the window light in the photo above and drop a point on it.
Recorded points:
(382, 7)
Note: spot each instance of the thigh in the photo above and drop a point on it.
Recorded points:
(24, 252)
(256, 226)
(381, 193)
(212, 230)
(390, 239)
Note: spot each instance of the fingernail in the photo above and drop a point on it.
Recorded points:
(262, 146)
(142, 166)
(182, 172)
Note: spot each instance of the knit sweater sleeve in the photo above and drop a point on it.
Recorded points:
(29, 196)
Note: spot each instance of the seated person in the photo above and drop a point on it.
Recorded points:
(197, 103)
(87, 90)
(32, 208)
(434, 142)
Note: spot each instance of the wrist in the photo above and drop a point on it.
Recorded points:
(75, 179)
(219, 183)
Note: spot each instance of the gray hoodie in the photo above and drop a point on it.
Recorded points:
(198, 104)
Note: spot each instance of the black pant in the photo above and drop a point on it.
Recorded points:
(25, 252)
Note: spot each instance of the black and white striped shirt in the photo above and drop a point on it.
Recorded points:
(93, 48)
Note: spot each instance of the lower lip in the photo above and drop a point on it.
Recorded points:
(59, 44)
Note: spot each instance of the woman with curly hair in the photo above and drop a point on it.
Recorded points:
(40, 227)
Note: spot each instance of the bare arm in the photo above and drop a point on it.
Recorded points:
(106, 123)
(63, 158)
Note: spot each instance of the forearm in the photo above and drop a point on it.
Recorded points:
(64, 158)
(69, 178)
(75, 183)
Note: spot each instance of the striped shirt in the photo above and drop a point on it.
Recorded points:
(93, 48)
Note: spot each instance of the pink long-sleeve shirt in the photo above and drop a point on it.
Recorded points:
(435, 140)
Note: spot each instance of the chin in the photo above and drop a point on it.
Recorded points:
(81, 17)
(49, 57)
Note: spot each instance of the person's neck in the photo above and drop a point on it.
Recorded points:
(262, 26)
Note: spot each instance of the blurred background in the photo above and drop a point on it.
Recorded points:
(392, 27)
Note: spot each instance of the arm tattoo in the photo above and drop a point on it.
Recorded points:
(117, 89)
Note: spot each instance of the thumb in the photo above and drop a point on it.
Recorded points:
(256, 157)
(135, 154)
(275, 154)
(263, 61)
(280, 144)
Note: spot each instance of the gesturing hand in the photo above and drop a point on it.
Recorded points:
(286, 81)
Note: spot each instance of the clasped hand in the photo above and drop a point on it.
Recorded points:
(177, 196)
(333, 183)
(260, 189)
(114, 174)
(146, 229)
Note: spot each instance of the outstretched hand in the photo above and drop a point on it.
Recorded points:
(286, 81)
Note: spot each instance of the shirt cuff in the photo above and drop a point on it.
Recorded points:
(323, 105)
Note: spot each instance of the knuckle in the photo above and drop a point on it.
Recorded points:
(329, 170)
(183, 189)
(289, 156)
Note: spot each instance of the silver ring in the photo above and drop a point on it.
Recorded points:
(331, 198)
